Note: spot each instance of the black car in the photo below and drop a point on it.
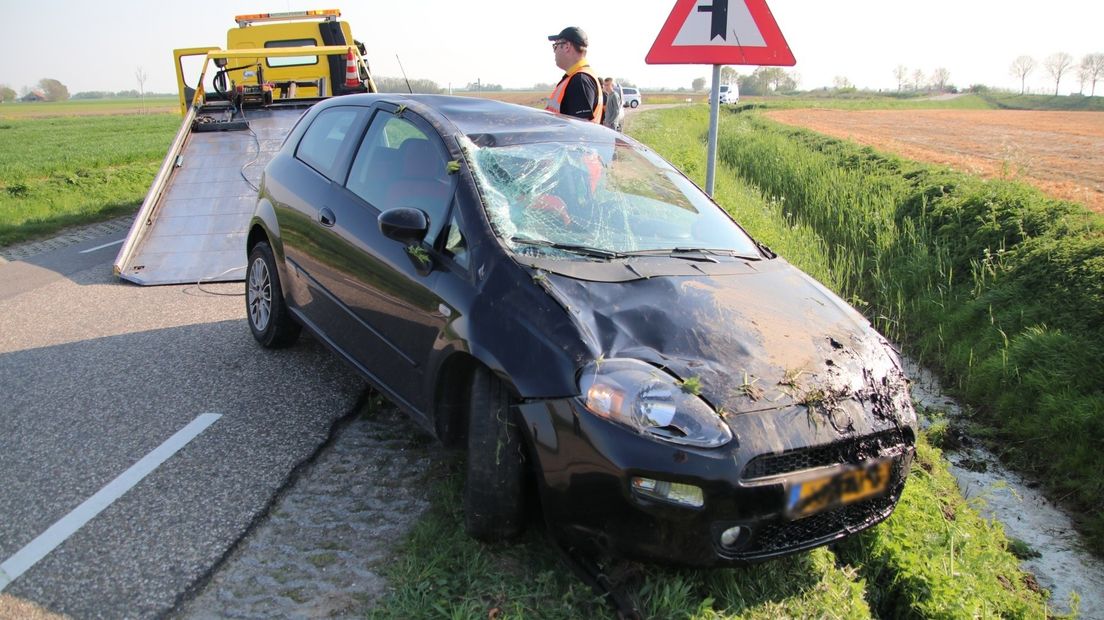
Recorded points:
(588, 321)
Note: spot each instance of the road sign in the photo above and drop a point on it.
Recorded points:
(720, 32)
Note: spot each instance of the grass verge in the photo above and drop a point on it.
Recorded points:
(58, 172)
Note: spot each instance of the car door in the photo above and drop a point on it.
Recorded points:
(304, 188)
(400, 162)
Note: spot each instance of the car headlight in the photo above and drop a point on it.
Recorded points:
(650, 401)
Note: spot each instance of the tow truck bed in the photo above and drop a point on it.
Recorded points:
(192, 226)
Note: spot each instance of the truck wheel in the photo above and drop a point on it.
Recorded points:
(634, 103)
(494, 498)
(268, 315)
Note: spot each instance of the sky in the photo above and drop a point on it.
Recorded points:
(100, 45)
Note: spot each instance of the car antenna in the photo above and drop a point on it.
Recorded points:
(404, 75)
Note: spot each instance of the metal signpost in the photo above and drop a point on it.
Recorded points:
(719, 32)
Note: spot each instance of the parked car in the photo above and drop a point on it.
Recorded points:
(729, 93)
(630, 97)
(596, 330)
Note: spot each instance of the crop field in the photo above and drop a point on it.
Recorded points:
(90, 107)
(935, 557)
(1061, 153)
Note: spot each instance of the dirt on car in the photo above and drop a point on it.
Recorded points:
(1061, 153)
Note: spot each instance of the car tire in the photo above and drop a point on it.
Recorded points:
(634, 103)
(494, 497)
(265, 309)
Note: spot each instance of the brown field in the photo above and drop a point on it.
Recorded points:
(1061, 153)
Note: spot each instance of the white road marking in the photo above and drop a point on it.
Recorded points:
(100, 247)
(65, 527)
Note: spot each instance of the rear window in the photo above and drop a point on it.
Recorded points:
(630, 91)
(321, 144)
(292, 61)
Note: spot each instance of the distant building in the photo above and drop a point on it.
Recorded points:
(34, 95)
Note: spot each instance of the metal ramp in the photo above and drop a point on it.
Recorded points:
(193, 223)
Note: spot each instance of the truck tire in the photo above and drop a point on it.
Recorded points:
(268, 315)
(494, 492)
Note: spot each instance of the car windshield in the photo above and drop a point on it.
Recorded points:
(606, 199)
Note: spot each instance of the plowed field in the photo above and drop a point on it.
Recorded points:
(1061, 153)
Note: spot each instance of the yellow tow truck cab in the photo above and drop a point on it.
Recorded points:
(267, 57)
(191, 226)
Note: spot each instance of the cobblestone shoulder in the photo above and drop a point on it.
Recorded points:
(319, 552)
(65, 238)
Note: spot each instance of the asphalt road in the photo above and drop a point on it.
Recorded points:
(98, 377)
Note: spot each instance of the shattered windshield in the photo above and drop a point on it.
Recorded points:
(597, 200)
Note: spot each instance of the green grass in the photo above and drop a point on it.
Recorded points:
(1070, 103)
(992, 283)
(80, 107)
(57, 172)
(864, 101)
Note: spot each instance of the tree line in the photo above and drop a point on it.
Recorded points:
(1058, 66)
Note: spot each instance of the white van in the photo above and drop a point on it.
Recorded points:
(630, 97)
(730, 93)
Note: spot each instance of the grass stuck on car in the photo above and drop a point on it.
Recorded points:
(591, 325)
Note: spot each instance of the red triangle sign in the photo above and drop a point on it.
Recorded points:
(720, 32)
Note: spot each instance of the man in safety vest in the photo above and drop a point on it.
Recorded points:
(579, 92)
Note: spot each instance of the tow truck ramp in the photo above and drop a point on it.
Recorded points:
(192, 225)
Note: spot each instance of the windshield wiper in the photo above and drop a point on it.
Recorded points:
(698, 254)
(584, 250)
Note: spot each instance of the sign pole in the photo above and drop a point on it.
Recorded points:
(714, 116)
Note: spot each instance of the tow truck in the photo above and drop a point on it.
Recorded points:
(191, 226)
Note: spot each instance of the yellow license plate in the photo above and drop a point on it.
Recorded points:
(812, 496)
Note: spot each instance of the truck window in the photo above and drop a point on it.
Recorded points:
(292, 61)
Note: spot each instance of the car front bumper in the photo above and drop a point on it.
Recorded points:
(585, 466)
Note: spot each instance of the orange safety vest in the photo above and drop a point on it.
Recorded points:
(558, 94)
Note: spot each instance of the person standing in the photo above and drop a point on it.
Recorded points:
(579, 93)
(615, 113)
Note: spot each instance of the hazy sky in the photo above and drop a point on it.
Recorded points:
(99, 45)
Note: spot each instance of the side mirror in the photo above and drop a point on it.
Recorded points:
(404, 224)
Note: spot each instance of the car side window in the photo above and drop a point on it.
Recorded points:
(321, 143)
(400, 165)
(456, 246)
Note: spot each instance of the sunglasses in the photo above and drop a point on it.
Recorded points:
(559, 43)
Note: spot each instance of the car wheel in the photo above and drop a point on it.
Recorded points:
(494, 498)
(268, 315)
(634, 103)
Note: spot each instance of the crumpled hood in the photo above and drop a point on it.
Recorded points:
(766, 339)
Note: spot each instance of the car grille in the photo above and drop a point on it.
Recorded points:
(849, 451)
(781, 536)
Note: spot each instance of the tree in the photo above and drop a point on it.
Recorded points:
(901, 74)
(917, 79)
(1021, 67)
(729, 76)
(766, 81)
(55, 90)
(6, 93)
(140, 76)
(841, 82)
(1057, 65)
(939, 79)
(697, 84)
(1093, 67)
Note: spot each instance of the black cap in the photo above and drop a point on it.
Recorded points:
(573, 34)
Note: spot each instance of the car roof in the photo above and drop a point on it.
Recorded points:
(487, 122)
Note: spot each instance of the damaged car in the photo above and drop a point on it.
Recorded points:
(597, 332)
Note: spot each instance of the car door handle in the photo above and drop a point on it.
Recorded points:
(326, 217)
